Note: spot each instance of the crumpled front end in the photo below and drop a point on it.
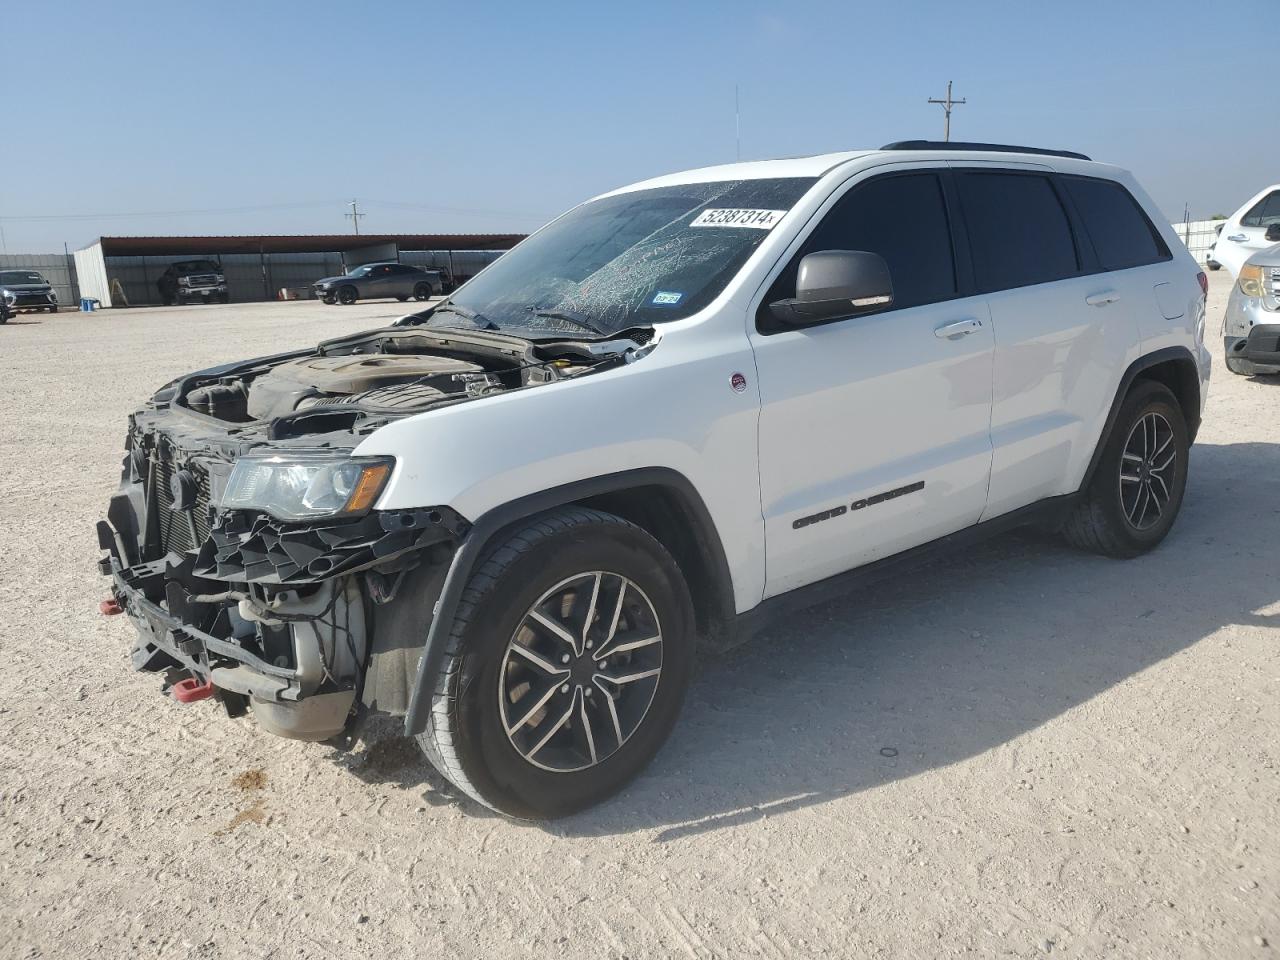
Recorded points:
(265, 615)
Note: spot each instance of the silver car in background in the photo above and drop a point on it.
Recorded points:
(377, 280)
(1251, 327)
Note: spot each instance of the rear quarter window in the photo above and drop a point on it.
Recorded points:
(1119, 229)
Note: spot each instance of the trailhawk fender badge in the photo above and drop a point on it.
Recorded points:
(738, 382)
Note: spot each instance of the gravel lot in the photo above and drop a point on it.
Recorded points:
(1031, 751)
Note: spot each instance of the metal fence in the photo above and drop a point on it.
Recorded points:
(1199, 236)
(58, 268)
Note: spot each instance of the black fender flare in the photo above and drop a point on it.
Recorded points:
(487, 526)
(1131, 374)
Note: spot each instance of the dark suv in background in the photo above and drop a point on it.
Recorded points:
(375, 280)
(199, 281)
(27, 290)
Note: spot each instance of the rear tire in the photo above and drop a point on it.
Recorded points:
(347, 296)
(1135, 494)
(512, 722)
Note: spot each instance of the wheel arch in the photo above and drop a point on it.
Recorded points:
(1174, 367)
(659, 500)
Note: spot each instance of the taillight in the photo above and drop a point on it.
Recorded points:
(1204, 282)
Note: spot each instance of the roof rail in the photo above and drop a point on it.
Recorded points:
(987, 147)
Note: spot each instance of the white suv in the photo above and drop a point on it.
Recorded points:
(678, 408)
(1245, 231)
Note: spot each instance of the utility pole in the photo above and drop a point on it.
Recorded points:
(737, 125)
(946, 105)
(354, 216)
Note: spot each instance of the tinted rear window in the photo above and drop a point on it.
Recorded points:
(1018, 230)
(1121, 234)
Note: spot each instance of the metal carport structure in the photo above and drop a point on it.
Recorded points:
(122, 271)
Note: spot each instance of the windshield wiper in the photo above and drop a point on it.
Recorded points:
(479, 319)
(571, 317)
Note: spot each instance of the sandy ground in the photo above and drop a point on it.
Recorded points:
(1032, 751)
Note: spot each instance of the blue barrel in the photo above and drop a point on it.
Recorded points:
(88, 304)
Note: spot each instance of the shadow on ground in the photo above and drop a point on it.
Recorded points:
(943, 664)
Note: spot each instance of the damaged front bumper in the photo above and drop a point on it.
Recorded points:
(270, 617)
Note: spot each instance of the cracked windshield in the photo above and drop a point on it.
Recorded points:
(638, 258)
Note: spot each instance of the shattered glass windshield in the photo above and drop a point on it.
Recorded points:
(637, 258)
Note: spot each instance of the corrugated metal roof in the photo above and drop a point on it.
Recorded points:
(307, 243)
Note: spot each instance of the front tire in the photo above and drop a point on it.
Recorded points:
(422, 291)
(567, 664)
(1135, 494)
(347, 296)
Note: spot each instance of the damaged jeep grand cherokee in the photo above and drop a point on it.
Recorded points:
(509, 518)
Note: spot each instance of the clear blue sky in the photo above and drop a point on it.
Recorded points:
(496, 116)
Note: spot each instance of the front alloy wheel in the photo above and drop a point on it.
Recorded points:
(566, 665)
(580, 672)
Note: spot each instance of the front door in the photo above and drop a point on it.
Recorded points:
(874, 429)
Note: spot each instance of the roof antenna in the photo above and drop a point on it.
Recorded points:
(947, 104)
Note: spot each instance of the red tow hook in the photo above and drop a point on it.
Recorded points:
(110, 607)
(190, 690)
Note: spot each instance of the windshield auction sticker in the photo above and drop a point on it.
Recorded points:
(737, 217)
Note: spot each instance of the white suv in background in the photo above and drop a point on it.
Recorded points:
(682, 406)
(1245, 232)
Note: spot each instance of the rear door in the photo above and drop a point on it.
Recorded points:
(873, 429)
(1061, 331)
(1246, 233)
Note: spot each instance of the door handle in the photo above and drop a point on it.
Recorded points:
(961, 328)
(1237, 238)
(1102, 299)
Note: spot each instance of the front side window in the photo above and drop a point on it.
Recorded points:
(902, 217)
(1119, 230)
(1263, 213)
(637, 258)
(1018, 231)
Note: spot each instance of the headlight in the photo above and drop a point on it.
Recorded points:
(184, 282)
(300, 487)
(1250, 280)
(9, 295)
(53, 295)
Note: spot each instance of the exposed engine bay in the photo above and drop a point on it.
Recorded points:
(275, 612)
(389, 373)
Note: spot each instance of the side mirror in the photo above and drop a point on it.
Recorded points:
(1273, 233)
(832, 284)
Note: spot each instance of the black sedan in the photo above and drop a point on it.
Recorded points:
(375, 280)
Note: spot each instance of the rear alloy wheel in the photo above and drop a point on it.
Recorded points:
(1146, 471)
(347, 296)
(422, 291)
(566, 667)
(1136, 491)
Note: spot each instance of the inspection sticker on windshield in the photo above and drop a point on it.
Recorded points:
(738, 217)
(666, 298)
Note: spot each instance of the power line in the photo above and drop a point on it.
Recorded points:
(947, 104)
(32, 218)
